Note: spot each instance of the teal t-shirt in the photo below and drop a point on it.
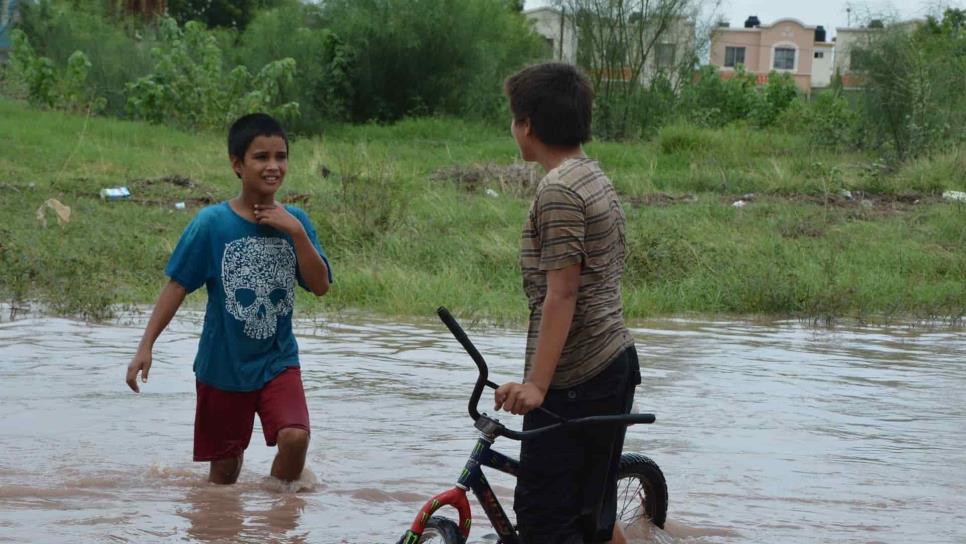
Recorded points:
(250, 272)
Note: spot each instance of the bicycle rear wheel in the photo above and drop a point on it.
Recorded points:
(641, 491)
(440, 530)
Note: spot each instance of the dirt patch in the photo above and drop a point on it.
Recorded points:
(803, 229)
(661, 200)
(515, 178)
(874, 200)
(168, 190)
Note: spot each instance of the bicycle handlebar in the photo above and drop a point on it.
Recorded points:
(484, 381)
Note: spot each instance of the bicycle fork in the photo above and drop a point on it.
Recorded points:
(471, 478)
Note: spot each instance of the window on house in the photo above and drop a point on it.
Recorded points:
(820, 54)
(784, 58)
(551, 52)
(734, 56)
(664, 56)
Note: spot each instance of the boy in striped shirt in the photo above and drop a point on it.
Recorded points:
(580, 357)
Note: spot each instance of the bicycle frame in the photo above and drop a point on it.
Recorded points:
(472, 478)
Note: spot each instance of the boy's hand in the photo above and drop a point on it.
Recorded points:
(518, 398)
(140, 362)
(276, 216)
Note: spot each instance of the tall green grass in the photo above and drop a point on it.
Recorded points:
(403, 243)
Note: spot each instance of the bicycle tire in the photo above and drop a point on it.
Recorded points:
(442, 530)
(641, 491)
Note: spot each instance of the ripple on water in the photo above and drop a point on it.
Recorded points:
(768, 432)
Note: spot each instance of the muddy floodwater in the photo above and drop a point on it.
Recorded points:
(777, 433)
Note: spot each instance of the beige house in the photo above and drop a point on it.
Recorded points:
(787, 45)
(557, 29)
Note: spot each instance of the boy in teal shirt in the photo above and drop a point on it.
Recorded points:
(249, 252)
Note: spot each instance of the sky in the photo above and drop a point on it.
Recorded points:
(828, 13)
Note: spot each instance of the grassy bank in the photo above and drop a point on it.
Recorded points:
(409, 219)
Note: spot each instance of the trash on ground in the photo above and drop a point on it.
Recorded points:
(491, 192)
(179, 205)
(115, 193)
(511, 178)
(954, 196)
(846, 194)
(62, 211)
(739, 203)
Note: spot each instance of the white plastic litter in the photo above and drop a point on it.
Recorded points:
(115, 193)
(954, 196)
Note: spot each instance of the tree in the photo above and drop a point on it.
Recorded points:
(624, 45)
(915, 76)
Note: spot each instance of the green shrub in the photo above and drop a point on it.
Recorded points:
(322, 85)
(417, 57)
(42, 83)
(189, 86)
(682, 138)
(776, 96)
(713, 102)
(118, 50)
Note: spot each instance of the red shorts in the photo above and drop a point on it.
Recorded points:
(224, 419)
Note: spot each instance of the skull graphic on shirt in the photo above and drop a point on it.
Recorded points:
(259, 277)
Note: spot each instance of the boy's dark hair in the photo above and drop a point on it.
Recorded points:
(248, 127)
(557, 98)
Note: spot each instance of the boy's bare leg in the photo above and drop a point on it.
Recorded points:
(293, 443)
(618, 536)
(225, 471)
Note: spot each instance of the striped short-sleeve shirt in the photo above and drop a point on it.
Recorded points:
(576, 217)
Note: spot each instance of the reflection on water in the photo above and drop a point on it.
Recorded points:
(220, 514)
(767, 433)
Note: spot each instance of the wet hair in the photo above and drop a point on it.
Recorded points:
(248, 127)
(557, 98)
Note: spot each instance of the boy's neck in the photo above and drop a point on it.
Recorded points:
(244, 204)
(249, 200)
(550, 157)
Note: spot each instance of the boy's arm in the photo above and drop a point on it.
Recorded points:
(170, 299)
(558, 314)
(311, 266)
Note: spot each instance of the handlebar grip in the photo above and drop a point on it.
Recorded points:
(451, 324)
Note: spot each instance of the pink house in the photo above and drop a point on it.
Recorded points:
(787, 45)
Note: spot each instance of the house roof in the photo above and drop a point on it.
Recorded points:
(761, 27)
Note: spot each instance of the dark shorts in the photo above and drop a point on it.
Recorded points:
(567, 487)
(224, 419)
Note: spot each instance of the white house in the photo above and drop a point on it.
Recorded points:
(557, 29)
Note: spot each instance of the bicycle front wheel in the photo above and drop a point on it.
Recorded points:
(641, 492)
(440, 530)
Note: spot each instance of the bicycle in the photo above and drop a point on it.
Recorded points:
(649, 498)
